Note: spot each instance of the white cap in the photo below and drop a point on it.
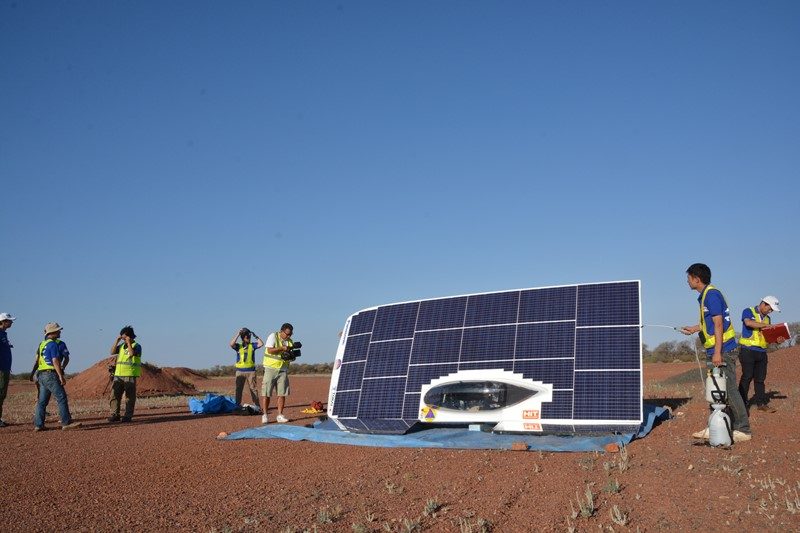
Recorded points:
(772, 302)
(6, 316)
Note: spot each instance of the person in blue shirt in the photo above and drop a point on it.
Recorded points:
(719, 340)
(753, 351)
(6, 321)
(50, 371)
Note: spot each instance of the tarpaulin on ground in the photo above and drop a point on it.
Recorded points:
(212, 404)
(458, 438)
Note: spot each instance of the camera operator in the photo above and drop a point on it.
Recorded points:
(246, 363)
(280, 349)
(128, 367)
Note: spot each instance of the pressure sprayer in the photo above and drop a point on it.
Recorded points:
(715, 382)
(720, 432)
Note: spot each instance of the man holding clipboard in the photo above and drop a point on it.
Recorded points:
(757, 333)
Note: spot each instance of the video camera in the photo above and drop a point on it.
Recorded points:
(293, 353)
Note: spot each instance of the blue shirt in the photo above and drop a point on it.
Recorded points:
(56, 350)
(5, 352)
(748, 332)
(716, 306)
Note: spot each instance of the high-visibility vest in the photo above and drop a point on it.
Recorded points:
(128, 365)
(729, 333)
(757, 338)
(40, 352)
(245, 360)
(278, 344)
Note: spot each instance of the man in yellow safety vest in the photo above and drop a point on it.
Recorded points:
(127, 368)
(246, 363)
(277, 354)
(719, 340)
(753, 351)
(51, 354)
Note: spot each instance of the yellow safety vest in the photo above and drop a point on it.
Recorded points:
(710, 340)
(40, 352)
(246, 360)
(757, 338)
(128, 365)
(274, 360)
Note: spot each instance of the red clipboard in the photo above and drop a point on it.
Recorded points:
(776, 333)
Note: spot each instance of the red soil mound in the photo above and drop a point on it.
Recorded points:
(94, 382)
(184, 374)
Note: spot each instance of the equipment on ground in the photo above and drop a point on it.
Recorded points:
(716, 384)
(564, 359)
(720, 432)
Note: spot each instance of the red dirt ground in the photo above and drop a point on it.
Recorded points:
(166, 471)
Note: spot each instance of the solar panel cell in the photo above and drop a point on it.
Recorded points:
(362, 322)
(496, 342)
(382, 398)
(346, 403)
(542, 305)
(419, 375)
(351, 375)
(395, 322)
(388, 358)
(608, 348)
(356, 349)
(441, 314)
(607, 395)
(560, 407)
(547, 340)
(436, 346)
(608, 304)
(494, 308)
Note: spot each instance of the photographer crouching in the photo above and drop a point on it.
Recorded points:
(280, 349)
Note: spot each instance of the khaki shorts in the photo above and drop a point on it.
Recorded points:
(275, 380)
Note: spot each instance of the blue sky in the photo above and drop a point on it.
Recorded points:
(194, 167)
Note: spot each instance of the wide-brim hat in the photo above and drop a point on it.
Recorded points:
(52, 327)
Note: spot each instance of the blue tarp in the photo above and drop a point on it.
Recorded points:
(459, 438)
(212, 404)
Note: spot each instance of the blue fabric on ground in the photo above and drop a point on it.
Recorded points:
(212, 404)
(457, 438)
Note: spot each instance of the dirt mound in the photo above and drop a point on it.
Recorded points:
(184, 374)
(154, 381)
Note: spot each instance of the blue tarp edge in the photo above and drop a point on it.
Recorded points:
(455, 438)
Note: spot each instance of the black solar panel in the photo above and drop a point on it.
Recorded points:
(584, 341)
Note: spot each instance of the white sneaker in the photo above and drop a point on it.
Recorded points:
(701, 434)
(264, 419)
(739, 436)
(282, 419)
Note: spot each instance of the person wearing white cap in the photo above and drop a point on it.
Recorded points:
(5, 360)
(51, 378)
(753, 351)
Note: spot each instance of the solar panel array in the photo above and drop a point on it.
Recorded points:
(585, 340)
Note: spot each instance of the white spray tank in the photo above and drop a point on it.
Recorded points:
(715, 385)
(719, 426)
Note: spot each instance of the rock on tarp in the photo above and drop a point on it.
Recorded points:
(212, 404)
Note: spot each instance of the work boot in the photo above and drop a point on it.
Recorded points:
(701, 434)
(113, 418)
(766, 408)
(72, 425)
(125, 419)
(37, 428)
(739, 436)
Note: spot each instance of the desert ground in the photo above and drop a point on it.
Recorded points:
(167, 471)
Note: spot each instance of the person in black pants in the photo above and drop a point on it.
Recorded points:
(753, 351)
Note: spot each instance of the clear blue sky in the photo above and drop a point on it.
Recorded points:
(194, 167)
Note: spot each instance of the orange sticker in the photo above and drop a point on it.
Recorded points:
(530, 414)
(532, 427)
